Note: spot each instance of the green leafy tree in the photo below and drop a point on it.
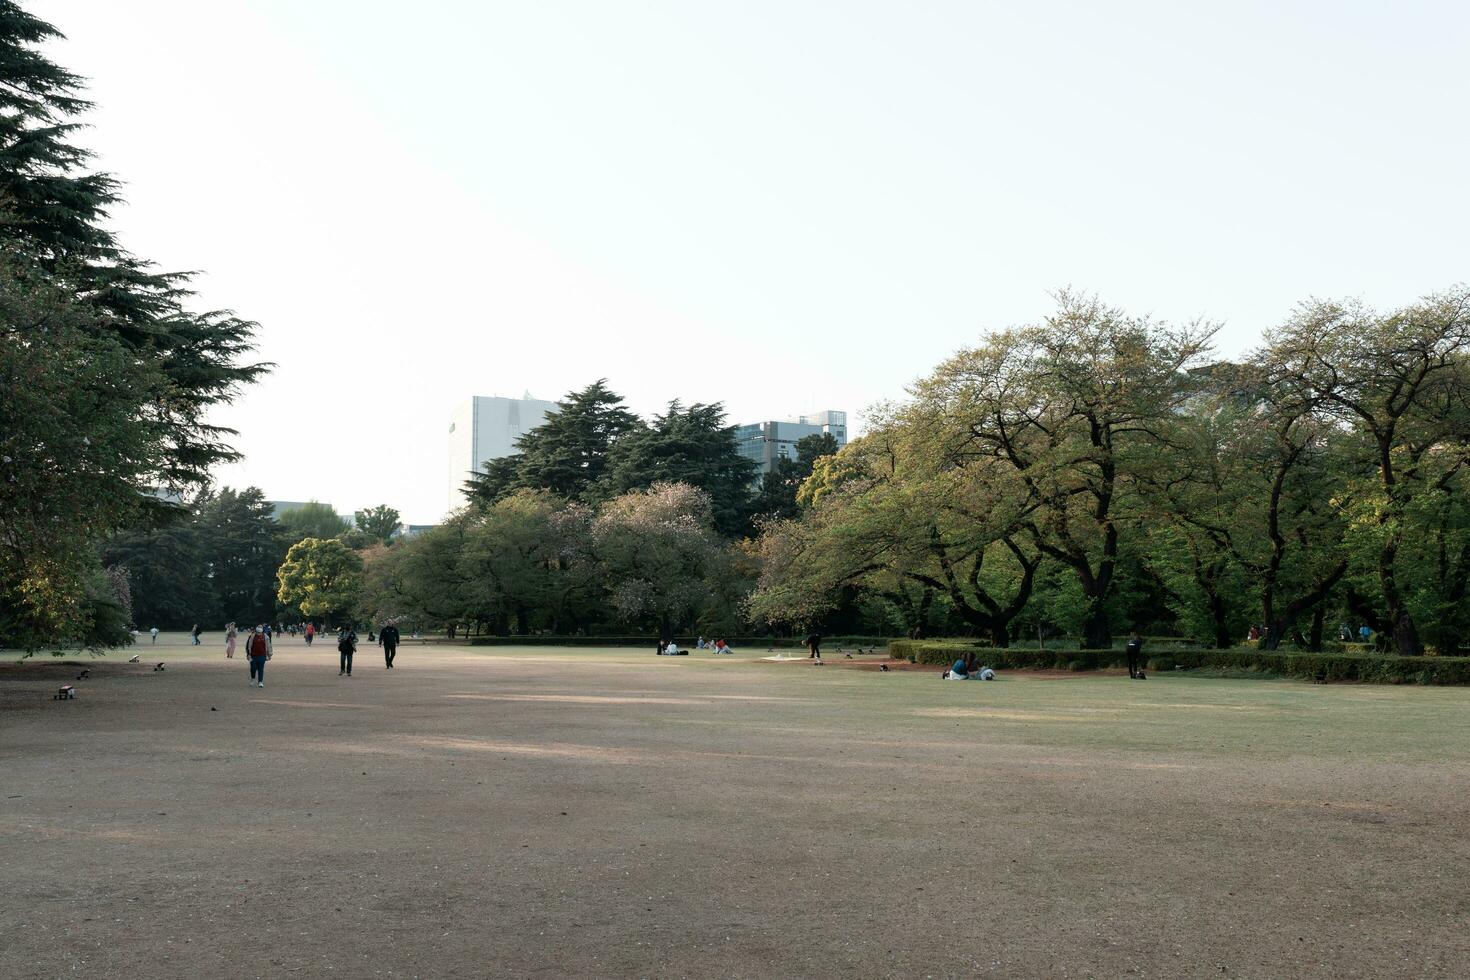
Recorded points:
(653, 548)
(76, 452)
(1397, 381)
(510, 561)
(1075, 409)
(419, 580)
(313, 520)
(322, 578)
(379, 523)
(916, 525)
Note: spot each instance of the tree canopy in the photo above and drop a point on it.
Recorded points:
(107, 374)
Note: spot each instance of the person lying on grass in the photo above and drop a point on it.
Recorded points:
(959, 673)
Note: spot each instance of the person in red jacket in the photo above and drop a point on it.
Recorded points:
(259, 651)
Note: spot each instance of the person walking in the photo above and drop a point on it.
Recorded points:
(1134, 650)
(230, 634)
(195, 634)
(310, 632)
(258, 651)
(154, 631)
(346, 647)
(814, 647)
(388, 640)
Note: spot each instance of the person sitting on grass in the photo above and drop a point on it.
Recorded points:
(957, 672)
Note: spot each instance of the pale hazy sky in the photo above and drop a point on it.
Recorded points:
(785, 206)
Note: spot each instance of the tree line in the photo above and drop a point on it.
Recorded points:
(1100, 472)
(218, 557)
(1093, 473)
(601, 522)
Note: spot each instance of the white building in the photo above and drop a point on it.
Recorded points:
(482, 429)
(764, 442)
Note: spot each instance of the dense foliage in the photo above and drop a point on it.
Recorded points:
(531, 561)
(105, 374)
(210, 562)
(1098, 473)
(593, 449)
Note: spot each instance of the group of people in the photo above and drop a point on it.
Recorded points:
(669, 648)
(259, 647)
(388, 638)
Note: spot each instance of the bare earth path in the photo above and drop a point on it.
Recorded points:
(519, 812)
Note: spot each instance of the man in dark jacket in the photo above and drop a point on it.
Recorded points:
(388, 640)
(814, 647)
(346, 647)
(1134, 650)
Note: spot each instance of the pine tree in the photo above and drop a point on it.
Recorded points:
(567, 454)
(52, 214)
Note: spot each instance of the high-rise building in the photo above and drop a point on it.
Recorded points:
(765, 442)
(482, 429)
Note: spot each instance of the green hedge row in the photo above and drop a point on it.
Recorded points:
(737, 642)
(1374, 668)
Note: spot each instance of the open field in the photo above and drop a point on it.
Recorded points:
(549, 812)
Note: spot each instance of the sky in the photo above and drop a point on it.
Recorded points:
(782, 206)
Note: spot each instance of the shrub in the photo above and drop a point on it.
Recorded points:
(1367, 667)
(739, 643)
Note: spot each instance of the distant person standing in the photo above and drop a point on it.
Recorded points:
(230, 634)
(814, 647)
(346, 647)
(154, 631)
(259, 651)
(195, 633)
(310, 632)
(388, 640)
(1134, 650)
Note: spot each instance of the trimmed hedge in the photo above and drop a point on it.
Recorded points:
(737, 642)
(1375, 668)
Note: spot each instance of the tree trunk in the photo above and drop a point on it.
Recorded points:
(1095, 632)
(1406, 637)
(1319, 619)
(1219, 619)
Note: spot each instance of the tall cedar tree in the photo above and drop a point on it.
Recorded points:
(51, 216)
(567, 454)
(692, 446)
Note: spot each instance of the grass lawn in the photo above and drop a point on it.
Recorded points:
(553, 811)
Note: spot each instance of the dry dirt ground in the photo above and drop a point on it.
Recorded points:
(520, 812)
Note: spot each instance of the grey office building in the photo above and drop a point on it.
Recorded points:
(765, 442)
